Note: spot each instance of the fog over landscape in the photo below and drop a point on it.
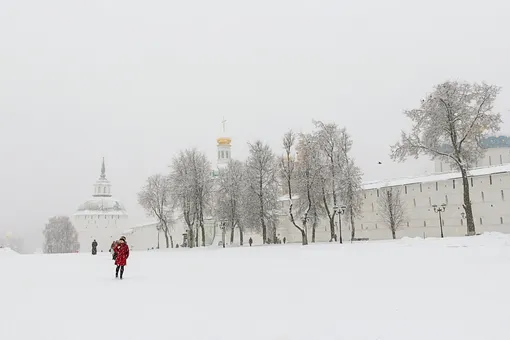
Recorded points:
(135, 82)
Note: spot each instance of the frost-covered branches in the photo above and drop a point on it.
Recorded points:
(185, 180)
(392, 209)
(449, 125)
(60, 236)
(350, 183)
(261, 172)
(155, 198)
(328, 139)
(308, 180)
(289, 176)
(202, 189)
(230, 198)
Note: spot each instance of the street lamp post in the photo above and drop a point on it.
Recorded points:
(158, 228)
(340, 211)
(439, 210)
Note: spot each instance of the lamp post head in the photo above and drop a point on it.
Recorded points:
(335, 208)
(444, 206)
(463, 214)
(342, 209)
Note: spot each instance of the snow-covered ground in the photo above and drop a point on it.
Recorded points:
(412, 289)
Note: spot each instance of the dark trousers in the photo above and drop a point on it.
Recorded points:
(121, 268)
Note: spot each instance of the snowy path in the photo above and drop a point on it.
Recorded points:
(455, 288)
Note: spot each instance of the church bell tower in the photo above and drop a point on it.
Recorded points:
(224, 148)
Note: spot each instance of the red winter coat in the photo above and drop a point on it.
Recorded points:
(122, 251)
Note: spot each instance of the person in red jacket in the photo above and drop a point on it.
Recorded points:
(122, 252)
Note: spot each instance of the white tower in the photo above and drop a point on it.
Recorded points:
(101, 218)
(224, 148)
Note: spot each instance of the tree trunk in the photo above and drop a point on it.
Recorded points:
(353, 228)
(264, 229)
(314, 225)
(166, 239)
(232, 235)
(393, 232)
(196, 238)
(332, 227)
(471, 230)
(241, 236)
(261, 202)
(275, 238)
(304, 238)
(191, 239)
(203, 234)
(171, 241)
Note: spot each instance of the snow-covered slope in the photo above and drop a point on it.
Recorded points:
(456, 288)
(4, 251)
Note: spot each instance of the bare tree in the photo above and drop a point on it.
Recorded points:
(155, 198)
(183, 192)
(202, 187)
(328, 137)
(288, 173)
(192, 188)
(392, 209)
(350, 183)
(308, 169)
(449, 125)
(230, 197)
(60, 236)
(261, 171)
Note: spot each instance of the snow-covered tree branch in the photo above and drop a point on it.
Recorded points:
(230, 197)
(328, 139)
(289, 176)
(308, 183)
(392, 209)
(192, 188)
(155, 198)
(261, 172)
(449, 125)
(350, 183)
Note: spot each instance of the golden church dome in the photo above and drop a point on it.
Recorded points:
(224, 141)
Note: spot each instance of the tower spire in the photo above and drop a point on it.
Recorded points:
(103, 170)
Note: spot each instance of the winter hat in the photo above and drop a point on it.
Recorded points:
(123, 238)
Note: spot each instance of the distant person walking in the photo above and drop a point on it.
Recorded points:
(250, 241)
(94, 247)
(122, 251)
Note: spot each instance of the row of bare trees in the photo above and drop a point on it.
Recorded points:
(319, 177)
(315, 171)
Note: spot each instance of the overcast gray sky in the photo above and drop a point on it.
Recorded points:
(136, 81)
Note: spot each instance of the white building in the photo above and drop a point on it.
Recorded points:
(101, 218)
(497, 152)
